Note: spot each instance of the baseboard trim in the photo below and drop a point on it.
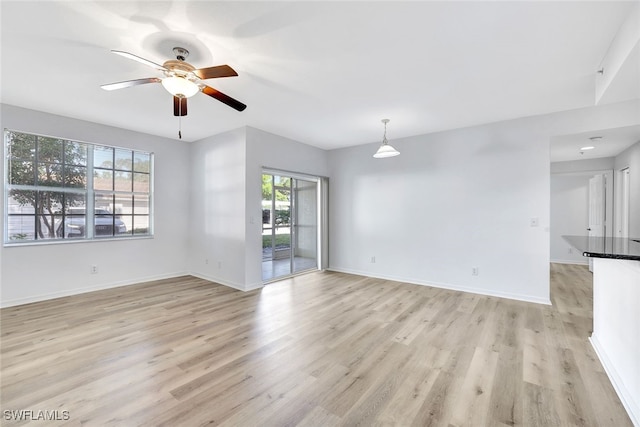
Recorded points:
(237, 286)
(103, 286)
(84, 290)
(570, 262)
(625, 396)
(449, 286)
(253, 286)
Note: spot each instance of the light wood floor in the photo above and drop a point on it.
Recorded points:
(317, 350)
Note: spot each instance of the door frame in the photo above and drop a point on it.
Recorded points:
(321, 216)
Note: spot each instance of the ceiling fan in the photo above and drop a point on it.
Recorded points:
(182, 80)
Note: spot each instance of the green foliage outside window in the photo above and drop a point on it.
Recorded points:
(46, 162)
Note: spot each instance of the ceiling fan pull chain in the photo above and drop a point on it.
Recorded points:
(180, 120)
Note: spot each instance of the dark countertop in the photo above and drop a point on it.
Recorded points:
(606, 247)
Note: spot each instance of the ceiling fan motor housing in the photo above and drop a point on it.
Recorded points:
(179, 68)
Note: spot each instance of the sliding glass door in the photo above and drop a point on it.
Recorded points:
(289, 225)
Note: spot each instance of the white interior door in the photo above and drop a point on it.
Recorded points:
(624, 194)
(597, 211)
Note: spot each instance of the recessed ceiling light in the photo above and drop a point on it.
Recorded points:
(587, 148)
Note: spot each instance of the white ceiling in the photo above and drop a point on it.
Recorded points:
(612, 142)
(323, 73)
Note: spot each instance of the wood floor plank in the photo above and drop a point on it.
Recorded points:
(571, 391)
(540, 407)
(318, 416)
(438, 406)
(475, 394)
(323, 349)
(411, 394)
(505, 406)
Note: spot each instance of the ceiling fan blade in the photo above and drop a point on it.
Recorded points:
(129, 83)
(140, 60)
(179, 106)
(214, 72)
(225, 99)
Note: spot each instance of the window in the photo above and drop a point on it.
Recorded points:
(54, 187)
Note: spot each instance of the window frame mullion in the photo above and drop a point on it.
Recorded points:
(89, 211)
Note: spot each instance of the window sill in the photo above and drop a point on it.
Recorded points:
(69, 241)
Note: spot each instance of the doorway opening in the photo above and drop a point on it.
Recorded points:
(291, 233)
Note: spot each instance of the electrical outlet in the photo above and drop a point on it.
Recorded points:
(219, 264)
(373, 260)
(94, 269)
(570, 250)
(206, 261)
(475, 271)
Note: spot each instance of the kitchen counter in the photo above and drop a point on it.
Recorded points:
(606, 247)
(616, 313)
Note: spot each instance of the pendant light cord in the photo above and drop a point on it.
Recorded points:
(384, 137)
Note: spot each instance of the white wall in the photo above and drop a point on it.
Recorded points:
(226, 200)
(217, 214)
(450, 202)
(456, 200)
(31, 273)
(630, 158)
(576, 166)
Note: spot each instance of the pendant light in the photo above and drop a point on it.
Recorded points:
(385, 149)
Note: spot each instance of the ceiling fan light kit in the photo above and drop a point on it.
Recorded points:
(385, 149)
(180, 86)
